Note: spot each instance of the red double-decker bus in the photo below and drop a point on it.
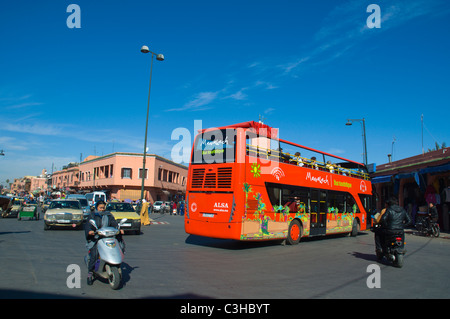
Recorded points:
(245, 183)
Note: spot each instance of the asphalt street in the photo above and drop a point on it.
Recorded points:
(164, 262)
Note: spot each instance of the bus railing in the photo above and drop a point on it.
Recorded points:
(284, 157)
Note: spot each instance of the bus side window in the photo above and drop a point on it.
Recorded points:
(351, 206)
(274, 195)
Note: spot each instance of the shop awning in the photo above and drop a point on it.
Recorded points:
(436, 169)
(419, 179)
(382, 179)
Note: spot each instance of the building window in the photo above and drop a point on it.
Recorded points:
(140, 173)
(126, 173)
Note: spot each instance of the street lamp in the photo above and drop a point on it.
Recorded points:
(159, 57)
(363, 123)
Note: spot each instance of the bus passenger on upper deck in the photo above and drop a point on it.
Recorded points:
(284, 157)
(330, 167)
(342, 170)
(314, 163)
(298, 159)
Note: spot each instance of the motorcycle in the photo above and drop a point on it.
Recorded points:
(428, 227)
(110, 255)
(392, 247)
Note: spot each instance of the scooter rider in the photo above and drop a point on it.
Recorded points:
(102, 219)
(394, 219)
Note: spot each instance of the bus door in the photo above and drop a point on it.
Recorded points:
(318, 217)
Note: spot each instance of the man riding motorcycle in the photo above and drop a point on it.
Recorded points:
(394, 218)
(102, 219)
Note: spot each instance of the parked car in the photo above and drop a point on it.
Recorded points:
(125, 210)
(157, 206)
(63, 212)
(84, 204)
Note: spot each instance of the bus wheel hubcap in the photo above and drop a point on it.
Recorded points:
(295, 232)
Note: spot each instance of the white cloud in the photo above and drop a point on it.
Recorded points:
(293, 65)
(23, 105)
(269, 110)
(267, 85)
(37, 129)
(336, 151)
(14, 166)
(239, 95)
(10, 143)
(198, 102)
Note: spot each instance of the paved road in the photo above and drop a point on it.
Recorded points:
(165, 262)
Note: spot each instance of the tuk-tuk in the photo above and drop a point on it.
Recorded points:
(13, 207)
(5, 205)
(28, 210)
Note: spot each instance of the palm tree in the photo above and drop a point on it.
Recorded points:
(437, 146)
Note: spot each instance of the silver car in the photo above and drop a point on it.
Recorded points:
(63, 212)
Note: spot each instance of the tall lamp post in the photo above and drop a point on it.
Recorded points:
(363, 123)
(159, 57)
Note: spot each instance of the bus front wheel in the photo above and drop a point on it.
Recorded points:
(294, 233)
(355, 228)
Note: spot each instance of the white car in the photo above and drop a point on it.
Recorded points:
(157, 206)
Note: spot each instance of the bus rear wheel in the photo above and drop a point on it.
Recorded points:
(294, 233)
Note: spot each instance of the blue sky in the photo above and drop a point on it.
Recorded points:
(305, 66)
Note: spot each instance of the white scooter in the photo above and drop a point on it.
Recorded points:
(110, 255)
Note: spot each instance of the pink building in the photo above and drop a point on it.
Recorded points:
(38, 185)
(30, 184)
(66, 179)
(21, 185)
(120, 176)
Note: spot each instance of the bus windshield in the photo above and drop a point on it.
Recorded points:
(215, 147)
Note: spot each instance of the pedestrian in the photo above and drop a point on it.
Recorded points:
(174, 208)
(144, 213)
(182, 208)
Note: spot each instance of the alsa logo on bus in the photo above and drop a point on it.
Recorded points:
(220, 205)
